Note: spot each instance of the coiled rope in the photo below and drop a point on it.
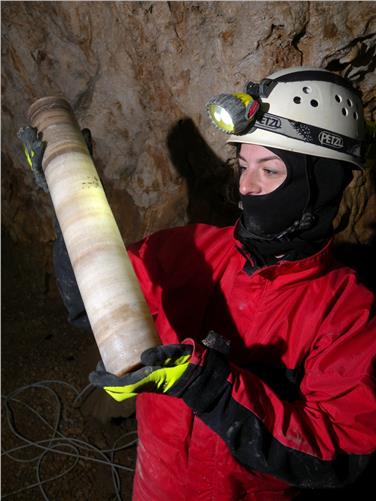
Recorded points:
(58, 443)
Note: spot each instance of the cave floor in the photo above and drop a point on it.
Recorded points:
(38, 344)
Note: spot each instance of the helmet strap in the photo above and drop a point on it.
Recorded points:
(307, 133)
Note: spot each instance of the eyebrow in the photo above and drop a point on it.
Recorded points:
(260, 160)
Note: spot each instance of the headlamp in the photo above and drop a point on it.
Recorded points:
(232, 113)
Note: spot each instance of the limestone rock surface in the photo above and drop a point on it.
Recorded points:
(139, 74)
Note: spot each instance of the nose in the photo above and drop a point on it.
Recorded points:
(249, 183)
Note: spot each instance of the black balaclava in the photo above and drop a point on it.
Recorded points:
(294, 220)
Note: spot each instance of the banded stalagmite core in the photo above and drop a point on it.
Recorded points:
(116, 308)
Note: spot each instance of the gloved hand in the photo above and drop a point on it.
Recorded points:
(163, 367)
(34, 148)
(195, 372)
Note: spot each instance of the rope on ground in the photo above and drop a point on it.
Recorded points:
(58, 443)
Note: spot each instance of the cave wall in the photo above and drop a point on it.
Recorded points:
(139, 74)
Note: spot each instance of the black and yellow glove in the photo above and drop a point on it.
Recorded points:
(34, 148)
(195, 372)
(163, 367)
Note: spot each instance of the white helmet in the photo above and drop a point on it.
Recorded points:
(307, 110)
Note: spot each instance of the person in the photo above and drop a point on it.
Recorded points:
(263, 382)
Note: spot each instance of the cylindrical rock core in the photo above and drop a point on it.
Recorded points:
(115, 305)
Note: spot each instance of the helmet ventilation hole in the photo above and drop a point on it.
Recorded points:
(345, 112)
(314, 103)
(338, 98)
(349, 102)
(356, 115)
(297, 100)
(307, 90)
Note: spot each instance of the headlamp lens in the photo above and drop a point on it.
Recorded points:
(221, 117)
(232, 113)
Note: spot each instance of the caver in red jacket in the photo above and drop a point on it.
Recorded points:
(293, 403)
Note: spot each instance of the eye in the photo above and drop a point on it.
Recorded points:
(271, 172)
(242, 168)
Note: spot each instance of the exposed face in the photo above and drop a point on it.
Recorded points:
(261, 171)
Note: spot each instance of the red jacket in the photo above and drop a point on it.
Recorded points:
(296, 404)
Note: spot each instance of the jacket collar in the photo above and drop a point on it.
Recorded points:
(308, 267)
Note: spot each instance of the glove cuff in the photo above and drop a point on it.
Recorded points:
(204, 380)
